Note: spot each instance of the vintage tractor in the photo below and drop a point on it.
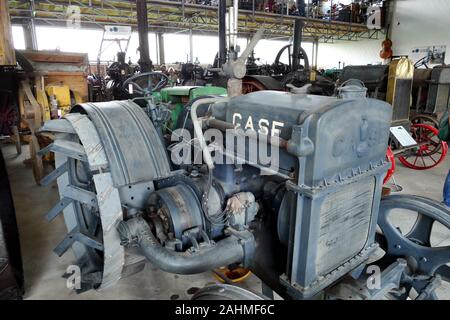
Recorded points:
(288, 186)
(394, 83)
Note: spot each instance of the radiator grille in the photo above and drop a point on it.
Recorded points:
(402, 99)
(344, 224)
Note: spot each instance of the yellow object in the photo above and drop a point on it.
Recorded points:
(312, 75)
(398, 69)
(42, 99)
(61, 93)
(62, 96)
(77, 96)
(234, 275)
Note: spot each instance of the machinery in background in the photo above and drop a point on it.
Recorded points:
(332, 74)
(57, 79)
(117, 73)
(193, 74)
(296, 73)
(394, 83)
(51, 82)
(177, 99)
(106, 78)
(431, 93)
(278, 75)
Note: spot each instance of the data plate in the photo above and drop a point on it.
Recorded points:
(403, 136)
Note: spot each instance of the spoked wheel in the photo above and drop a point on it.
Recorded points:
(430, 150)
(78, 158)
(425, 119)
(427, 258)
(100, 179)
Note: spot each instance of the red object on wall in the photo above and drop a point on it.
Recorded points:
(386, 49)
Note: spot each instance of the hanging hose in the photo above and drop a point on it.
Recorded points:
(218, 219)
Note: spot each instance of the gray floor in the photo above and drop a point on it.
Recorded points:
(43, 269)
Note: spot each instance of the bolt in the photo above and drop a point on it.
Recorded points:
(397, 246)
(423, 259)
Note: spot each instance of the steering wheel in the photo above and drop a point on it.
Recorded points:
(143, 83)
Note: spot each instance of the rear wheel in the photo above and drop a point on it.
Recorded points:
(106, 157)
(418, 241)
(90, 203)
(430, 151)
(425, 119)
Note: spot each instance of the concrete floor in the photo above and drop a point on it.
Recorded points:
(43, 269)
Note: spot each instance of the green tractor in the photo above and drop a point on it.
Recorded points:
(149, 90)
(176, 98)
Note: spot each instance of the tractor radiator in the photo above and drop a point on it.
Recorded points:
(345, 218)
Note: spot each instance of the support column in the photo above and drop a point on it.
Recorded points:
(142, 20)
(315, 49)
(7, 54)
(29, 30)
(298, 31)
(191, 47)
(29, 34)
(162, 59)
(222, 33)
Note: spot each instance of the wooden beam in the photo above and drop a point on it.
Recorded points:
(7, 55)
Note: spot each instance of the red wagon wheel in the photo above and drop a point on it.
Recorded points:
(391, 158)
(430, 150)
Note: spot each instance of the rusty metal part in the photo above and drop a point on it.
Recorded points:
(258, 83)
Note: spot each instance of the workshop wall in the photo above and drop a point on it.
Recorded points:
(348, 52)
(418, 23)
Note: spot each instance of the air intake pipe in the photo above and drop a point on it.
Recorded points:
(136, 232)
